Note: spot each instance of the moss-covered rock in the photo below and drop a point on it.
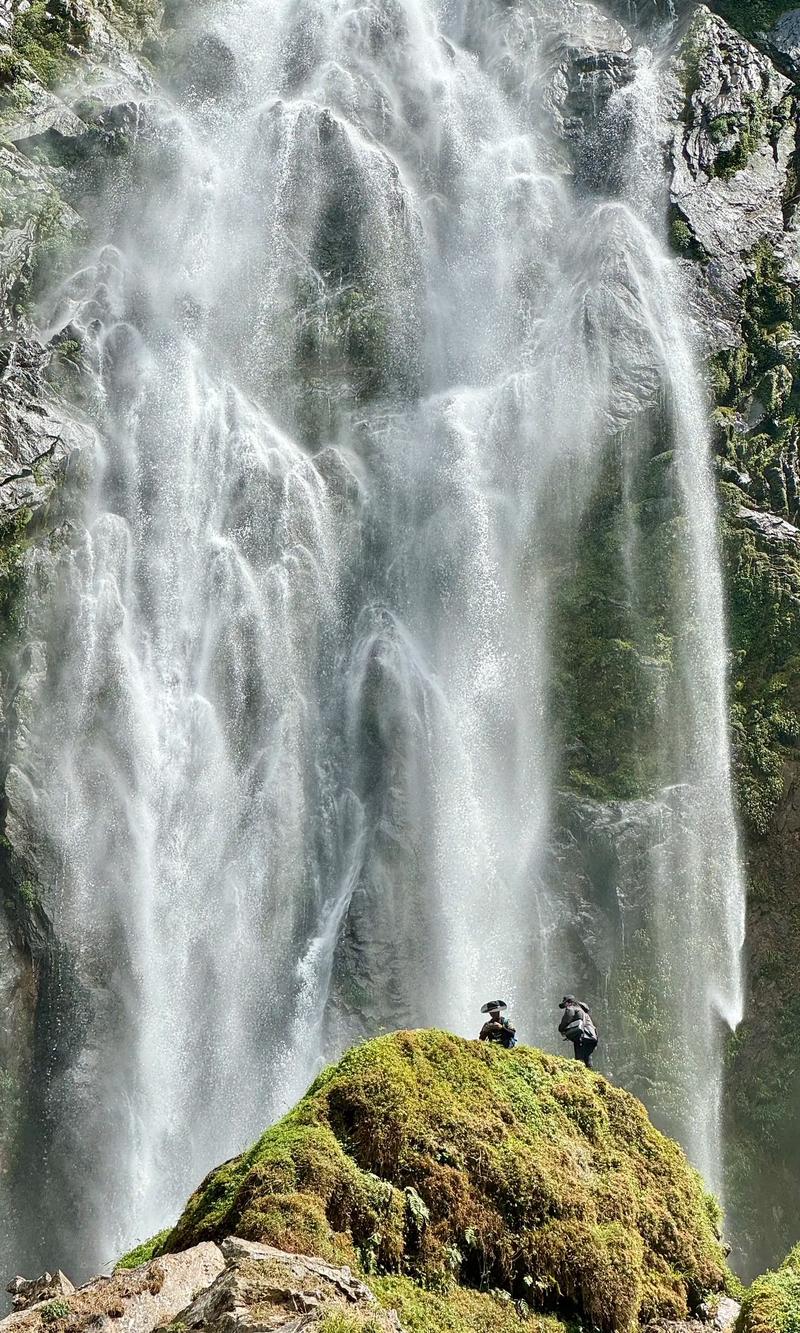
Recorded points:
(465, 1166)
(772, 1305)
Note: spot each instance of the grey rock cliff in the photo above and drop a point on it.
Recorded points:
(730, 159)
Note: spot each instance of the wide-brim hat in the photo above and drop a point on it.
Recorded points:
(493, 1004)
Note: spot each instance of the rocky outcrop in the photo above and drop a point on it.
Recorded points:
(730, 158)
(135, 1301)
(423, 1154)
(26, 1292)
(589, 56)
(210, 1289)
(718, 1318)
(783, 42)
(263, 1287)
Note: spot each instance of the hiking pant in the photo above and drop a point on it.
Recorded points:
(584, 1048)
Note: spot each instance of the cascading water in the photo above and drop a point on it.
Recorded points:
(365, 332)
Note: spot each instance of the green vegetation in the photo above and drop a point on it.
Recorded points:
(762, 369)
(764, 601)
(14, 542)
(460, 1310)
(612, 626)
(752, 17)
(764, 583)
(772, 1305)
(349, 1321)
(536, 1177)
(54, 1310)
(41, 36)
(682, 237)
(142, 1253)
(739, 136)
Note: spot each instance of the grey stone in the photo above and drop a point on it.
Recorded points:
(25, 1292)
(265, 1288)
(589, 56)
(770, 526)
(135, 1301)
(726, 1315)
(784, 41)
(727, 214)
(41, 113)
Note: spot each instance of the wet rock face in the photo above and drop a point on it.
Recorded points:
(783, 42)
(71, 90)
(590, 56)
(730, 163)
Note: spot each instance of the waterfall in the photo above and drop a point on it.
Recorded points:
(367, 334)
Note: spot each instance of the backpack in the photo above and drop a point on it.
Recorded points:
(581, 1028)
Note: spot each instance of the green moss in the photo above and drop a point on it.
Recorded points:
(682, 238)
(537, 1178)
(54, 1310)
(349, 1321)
(752, 17)
(459, 1310)
(612, 627)
(41, 36)
(764, 601)
(14, 542)
(772, 1305)
(763, 582)
(741, 135)
(143, 1253)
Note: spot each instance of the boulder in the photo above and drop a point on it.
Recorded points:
(491, 1142)
(25, 1291)
(130, 1301)
(265, 1288)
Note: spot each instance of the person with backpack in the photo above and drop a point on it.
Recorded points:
(577, 1026)
(497, 1028)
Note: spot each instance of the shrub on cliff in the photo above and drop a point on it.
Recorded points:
(452, 1163)
(772, 1304)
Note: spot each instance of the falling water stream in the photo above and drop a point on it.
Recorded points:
(362, 331)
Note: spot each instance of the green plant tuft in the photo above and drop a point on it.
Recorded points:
(54, 1310)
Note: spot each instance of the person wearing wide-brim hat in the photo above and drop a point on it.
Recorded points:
(497, 1028)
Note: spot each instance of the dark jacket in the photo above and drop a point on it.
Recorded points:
(504, 1034)
(573, 1014)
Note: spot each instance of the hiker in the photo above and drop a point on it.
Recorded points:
(497, 1028)
(576, 1026)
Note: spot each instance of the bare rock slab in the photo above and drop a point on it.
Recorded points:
(265, 1290)
(135, 1301)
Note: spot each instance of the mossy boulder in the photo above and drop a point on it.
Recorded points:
(466, 1167)
(772, 1304)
